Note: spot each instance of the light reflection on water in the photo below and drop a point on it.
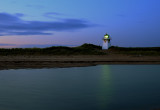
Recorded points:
(103, 87)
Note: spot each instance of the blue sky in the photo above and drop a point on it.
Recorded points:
(130, 23)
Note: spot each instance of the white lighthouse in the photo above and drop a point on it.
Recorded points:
(106, 42)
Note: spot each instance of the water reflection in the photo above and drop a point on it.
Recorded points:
(105, 88)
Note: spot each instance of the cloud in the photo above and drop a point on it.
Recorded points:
(19, 14)
(30, 45)
(29, 33)
(14, 25)
(51, 14)
(121, 15)
(7, 44)
(35, 6)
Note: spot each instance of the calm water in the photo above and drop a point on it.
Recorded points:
(103, 87)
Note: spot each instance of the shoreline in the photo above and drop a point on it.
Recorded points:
(24, 62)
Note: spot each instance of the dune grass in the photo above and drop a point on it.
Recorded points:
(147, 51)
(85, 49)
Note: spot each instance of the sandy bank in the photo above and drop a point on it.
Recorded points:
(15, 62)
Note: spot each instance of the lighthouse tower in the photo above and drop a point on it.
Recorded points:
(106, 42)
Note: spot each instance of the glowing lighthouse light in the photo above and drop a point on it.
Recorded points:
(106, 42)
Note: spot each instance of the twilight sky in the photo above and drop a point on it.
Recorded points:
(41, 23)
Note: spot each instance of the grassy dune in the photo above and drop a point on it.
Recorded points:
(85, 49)
(140, 51)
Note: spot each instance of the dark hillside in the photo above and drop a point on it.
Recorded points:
(149, 51)
(85, 49)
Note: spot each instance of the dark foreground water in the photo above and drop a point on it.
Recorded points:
(103, 87)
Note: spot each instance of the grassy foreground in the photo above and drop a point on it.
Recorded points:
(138, 51)
(85, 49)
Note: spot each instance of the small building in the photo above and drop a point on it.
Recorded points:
(106, 42)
